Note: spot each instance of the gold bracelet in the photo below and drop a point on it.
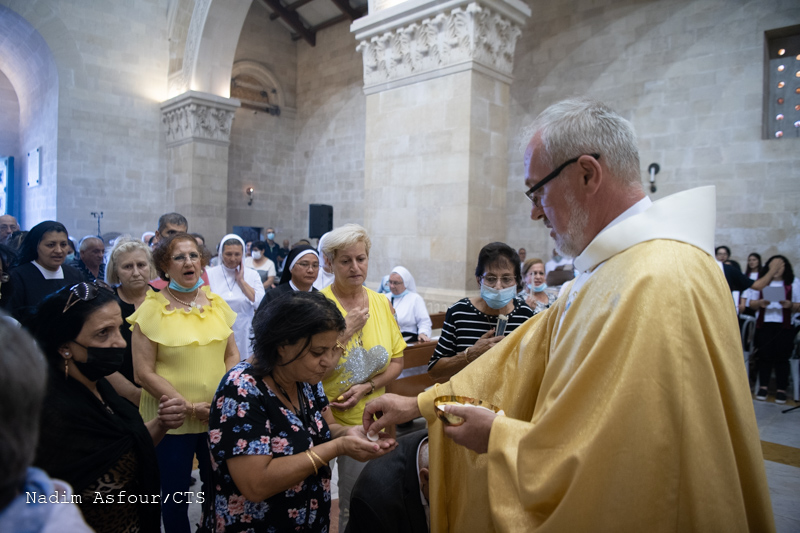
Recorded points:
(313, 463)
(466, 355)
(193, 415)
(317, 456)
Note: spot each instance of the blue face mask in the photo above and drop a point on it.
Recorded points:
(70, 258)
(398, 296)
(498, 299)
(176, 287)
(540, 288)
(271, 236)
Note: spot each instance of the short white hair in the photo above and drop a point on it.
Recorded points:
(124, 245)
(343, 237)
(579, 126)
(88, 241)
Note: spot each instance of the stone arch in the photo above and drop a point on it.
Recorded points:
(263, 75)
(203, 39)
(28, 62)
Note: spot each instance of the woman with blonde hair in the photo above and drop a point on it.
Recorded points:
(372, 344)
(130, 267)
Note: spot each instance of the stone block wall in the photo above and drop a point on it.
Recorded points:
(9, 119)
(689, 75)
(262, 147)
(330, 134)
(111, 62)
(30, 66)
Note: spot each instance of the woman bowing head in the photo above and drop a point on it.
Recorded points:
(271, 430)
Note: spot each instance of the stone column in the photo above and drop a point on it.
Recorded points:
(437, 78)
(198, 127)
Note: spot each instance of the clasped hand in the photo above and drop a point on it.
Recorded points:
(171, 413)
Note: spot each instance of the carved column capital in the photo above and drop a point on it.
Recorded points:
(198, 117)
(418, 40)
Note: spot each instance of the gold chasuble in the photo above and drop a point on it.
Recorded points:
(627, 402)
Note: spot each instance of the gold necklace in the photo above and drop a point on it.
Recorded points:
(193, 303)
(363, 293)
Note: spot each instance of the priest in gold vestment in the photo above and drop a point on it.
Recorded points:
(627, 406)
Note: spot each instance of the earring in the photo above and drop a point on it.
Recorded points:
(66, 368)
(166, 276)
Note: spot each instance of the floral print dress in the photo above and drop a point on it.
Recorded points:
(248, 419)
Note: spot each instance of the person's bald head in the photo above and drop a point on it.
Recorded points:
(8, 225)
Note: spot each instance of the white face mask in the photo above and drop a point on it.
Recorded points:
(256, 254)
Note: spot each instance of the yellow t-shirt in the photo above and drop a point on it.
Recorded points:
(382, 342)
(191, 350)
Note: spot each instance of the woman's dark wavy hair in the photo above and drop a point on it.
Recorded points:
(495, 253)
(788, 272)
(290, 318)
(162, 255)
(30, 246)
(758, 268)
(258, 245)
(52, 327)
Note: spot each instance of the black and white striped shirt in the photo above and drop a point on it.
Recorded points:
(464, 325)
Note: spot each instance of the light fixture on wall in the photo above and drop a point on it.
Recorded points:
(249, 192)
(653, 169)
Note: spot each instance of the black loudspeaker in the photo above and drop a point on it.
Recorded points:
(320, 220)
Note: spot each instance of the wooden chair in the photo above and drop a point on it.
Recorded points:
(437, 320)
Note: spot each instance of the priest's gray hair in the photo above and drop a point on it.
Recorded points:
(23, 378)
(578, 126)
(344, 237)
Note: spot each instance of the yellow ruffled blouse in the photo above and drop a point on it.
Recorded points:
(190, 353)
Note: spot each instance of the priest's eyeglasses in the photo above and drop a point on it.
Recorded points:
(84, 292)
(531, 193)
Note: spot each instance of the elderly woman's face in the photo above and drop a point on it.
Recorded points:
(351, 264)
(232, 255)
(498, 275)
(305, 271)
(185, 263)
(396, 284)
(317, 360)
(133, 269)
(100, 330)
(52, 249)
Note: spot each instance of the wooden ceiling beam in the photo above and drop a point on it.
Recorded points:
(291, 7)
(344, 7)
(293, 20)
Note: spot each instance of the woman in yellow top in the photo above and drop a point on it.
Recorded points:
(182, 346)
(373, 345)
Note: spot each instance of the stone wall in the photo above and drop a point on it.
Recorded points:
(9, 119)
(262, 146)
(331, 110)
(30, 66)
(689, 75)
(111, 62)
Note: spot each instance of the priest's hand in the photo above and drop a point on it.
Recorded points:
(389, 409)
(474, 432)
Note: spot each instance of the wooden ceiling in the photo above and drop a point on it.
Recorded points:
(306, 17)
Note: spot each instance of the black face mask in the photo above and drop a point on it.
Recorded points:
(100, 362)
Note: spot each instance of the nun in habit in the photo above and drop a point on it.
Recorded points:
(239, 286)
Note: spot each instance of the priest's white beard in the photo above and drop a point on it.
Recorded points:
(570, 243)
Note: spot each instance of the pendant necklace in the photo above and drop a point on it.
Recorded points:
(193, 303)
